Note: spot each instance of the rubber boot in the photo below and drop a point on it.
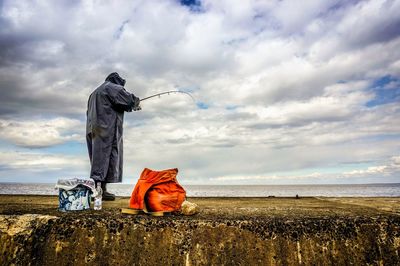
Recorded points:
(107, 195)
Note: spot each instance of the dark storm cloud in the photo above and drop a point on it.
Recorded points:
(17, 100)
(378, 31)
(14, 48)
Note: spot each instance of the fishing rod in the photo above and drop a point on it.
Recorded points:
(167, 92)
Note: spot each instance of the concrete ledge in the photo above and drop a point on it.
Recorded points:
(252, 231)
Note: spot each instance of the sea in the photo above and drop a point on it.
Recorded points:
(354, 190)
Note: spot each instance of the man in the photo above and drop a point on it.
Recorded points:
(105, 116)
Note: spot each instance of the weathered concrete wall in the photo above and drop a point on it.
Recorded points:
(113, 239)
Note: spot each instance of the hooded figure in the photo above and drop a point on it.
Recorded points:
(105, 117)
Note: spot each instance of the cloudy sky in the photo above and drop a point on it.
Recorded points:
(286, 92)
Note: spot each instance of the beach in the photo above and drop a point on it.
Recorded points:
(253, 231)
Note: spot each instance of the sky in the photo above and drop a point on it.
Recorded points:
(286, 92)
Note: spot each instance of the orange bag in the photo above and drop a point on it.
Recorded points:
(157, 191)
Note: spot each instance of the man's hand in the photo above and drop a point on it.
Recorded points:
(137, 104)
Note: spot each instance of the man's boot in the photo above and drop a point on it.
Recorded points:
(106, 195)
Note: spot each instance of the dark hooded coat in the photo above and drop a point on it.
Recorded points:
(105, 117)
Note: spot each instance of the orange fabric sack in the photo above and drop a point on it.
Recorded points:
(158, 191)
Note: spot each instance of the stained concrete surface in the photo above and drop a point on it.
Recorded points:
(227, 231)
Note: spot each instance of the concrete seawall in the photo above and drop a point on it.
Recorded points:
(253, 231)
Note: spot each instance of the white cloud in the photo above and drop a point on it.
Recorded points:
(41, 133)
(390, 168)
(39, 162)
(267, 178)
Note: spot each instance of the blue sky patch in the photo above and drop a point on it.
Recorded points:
(67, 148)
(194, 5)
(231, 107)
(202, 105)
(386, 90)
(189, 89)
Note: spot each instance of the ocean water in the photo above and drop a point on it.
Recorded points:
(359, 190)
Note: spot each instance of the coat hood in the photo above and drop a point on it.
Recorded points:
(116, 79)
